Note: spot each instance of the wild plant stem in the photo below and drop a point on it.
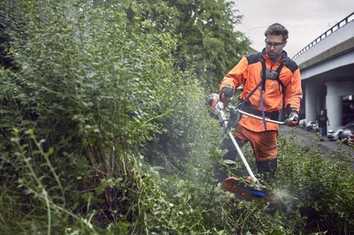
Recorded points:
(52, 170)
(44, 192)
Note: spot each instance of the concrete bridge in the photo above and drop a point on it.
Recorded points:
(327, 65)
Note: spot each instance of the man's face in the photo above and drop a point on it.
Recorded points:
(274, 45)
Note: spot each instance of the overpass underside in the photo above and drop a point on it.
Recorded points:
(327, 66)
(333, 91)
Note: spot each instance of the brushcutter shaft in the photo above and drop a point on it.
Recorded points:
(222, 118)
(238, 149)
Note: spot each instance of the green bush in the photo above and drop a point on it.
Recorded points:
(325, 187)
(87, 94)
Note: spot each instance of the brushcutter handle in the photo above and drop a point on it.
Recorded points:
(260, 118)
(219, 110)
(227, 121)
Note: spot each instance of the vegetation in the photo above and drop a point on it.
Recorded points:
(104, 128)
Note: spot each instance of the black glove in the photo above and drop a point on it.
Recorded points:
(293, 118)
(226, 94)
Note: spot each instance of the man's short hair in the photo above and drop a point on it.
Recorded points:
(277, 29)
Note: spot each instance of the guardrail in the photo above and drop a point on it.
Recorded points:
(334, 28)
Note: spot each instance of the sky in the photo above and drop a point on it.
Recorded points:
(304, 19)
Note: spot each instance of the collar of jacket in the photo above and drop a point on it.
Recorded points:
(282, 57)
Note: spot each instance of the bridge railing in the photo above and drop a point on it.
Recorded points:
(334, 28)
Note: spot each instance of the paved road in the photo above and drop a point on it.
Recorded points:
(312, 140)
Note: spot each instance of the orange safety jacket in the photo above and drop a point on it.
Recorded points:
(285, 91)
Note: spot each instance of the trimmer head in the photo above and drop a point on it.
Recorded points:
(245, 189)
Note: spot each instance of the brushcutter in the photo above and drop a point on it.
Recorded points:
(249, 188)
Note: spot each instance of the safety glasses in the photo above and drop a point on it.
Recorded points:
(274, 44)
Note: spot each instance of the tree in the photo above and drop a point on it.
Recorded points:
(208, 43)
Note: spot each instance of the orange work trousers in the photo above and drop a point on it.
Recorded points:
(264, 144)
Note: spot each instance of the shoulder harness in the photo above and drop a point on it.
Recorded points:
(267, 75)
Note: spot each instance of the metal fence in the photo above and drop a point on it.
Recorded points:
(334, 28)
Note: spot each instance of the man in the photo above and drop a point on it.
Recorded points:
(322, 120)
(271, 81)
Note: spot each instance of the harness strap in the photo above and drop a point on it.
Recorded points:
(278, 79)
(251, 93)
(263, 86)
(264, 78)
(247, 106)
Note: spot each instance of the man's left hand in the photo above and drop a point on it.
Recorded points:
(293, 119)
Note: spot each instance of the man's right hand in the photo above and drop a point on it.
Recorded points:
(226, 94)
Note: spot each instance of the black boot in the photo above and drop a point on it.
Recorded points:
(267, 169)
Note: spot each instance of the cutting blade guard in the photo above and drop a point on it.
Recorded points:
(245, 189)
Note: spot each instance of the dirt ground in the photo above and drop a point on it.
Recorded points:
(312, 140)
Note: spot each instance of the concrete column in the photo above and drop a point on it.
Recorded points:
(335, 92)
(310, 101)
(334, 109)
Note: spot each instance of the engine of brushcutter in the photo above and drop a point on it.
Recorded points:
(218, 110)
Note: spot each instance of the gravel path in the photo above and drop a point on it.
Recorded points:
(312, 140)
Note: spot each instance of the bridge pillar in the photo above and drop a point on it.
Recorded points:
(334, 108)
(310, 101)
(335, 91)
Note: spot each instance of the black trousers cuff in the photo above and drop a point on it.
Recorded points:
(267, 166)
